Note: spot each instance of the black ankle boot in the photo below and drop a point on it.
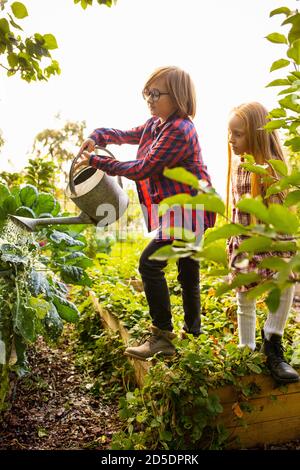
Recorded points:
(280, 370)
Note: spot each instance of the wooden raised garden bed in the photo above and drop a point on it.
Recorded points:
(272, 415)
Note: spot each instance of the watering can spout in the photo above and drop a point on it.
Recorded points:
(31, 224)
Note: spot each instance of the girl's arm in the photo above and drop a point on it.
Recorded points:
(168, 151)
(104, 136)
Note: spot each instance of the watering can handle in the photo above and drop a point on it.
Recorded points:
(71, 174)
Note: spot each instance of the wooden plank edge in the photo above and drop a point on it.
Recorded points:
(111, 321)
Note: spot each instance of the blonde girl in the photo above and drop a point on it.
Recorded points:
(247, 136)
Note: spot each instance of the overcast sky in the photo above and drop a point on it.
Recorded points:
(106, 55)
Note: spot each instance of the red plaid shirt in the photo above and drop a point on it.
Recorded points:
(171, 144)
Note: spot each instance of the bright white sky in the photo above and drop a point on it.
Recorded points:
(106, 55)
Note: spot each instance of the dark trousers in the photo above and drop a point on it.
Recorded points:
(157, 292)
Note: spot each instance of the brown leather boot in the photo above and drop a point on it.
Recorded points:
(159, 342)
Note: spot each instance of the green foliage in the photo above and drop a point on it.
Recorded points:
(27, 201)
(41, 173)
(177, 407)
(52, 148)
(29, 294)
(183, 176)
(85, 3)
(24, 55)
(275, 223)
(287, 120)
(11, 179)
(100, 353)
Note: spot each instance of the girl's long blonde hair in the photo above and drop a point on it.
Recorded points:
(263, 145)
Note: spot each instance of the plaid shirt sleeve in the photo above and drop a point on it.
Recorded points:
(104, 136)
(169, 149)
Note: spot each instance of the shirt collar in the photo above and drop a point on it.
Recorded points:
(159, 125)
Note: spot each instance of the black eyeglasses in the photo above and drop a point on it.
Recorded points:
(154, 94)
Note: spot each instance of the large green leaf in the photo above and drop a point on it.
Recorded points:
(25, 322)
(210, 202)
(273, 299)
(275, 263)
(260, 289)
(282, 246)
(294, 143)
(183, 176)
(14, 259)
(44, 203)
(226, 231)
(63, 240)
(4, 26)
(254, 168)
(53, 324)
(56, 209)
(294, 52)
(10, 205)
(180, 233)
(243, 279)
(254, 207)
(50, 41)
(278, 64)
(279, 82)
(170, 252)
(286, 11)
(292, 198)
(4, 193)
(293, 179)
(277, 38)
(24, 211)
(276, 124)
(78, 258)
(277, 113)
(178, 199)
(28, 195)
(279, 166)
(282, 219)
(273, 189)
(66, 310)
(216, 253)
(19, 10)
(40, 305)
(75, 275)
(255, 245)
(290, 102)
(38, 283)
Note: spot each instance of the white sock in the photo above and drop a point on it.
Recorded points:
(246, 315)
(275, 322)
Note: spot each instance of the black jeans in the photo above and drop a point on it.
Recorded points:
(157, 292)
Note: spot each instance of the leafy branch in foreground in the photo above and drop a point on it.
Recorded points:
(286, 116)
(21, 54)
(85, 3)
(277, 231)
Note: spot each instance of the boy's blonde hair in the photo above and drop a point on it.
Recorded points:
(263, 145)
(180, 86)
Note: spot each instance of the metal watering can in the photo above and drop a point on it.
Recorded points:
(100, 197)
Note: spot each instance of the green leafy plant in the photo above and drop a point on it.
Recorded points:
(24, 55)
(85, 3)
(32, 301)
(41, 174)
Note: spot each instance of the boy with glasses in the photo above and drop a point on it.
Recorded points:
(167, 140)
